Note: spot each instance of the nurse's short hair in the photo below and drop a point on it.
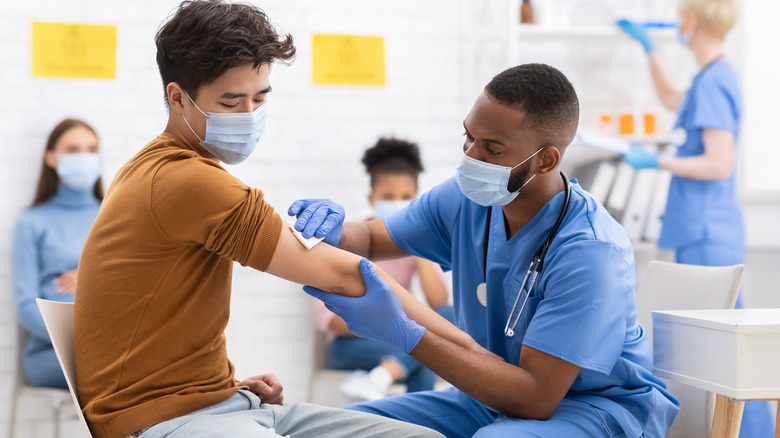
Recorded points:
(544, 94)
(716, 17)
(204, 39)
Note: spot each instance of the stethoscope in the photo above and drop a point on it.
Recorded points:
(537, 261)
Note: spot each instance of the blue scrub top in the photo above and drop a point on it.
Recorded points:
(582, 309)
(706, 210)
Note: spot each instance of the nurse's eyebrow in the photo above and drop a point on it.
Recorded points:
(229, 95)
(486, 140)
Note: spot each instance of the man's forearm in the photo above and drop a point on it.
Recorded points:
(510, 389)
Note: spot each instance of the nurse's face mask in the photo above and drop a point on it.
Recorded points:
(487, 184)
(231, 137)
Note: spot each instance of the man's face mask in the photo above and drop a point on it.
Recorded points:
(231, 137)
(485, 183)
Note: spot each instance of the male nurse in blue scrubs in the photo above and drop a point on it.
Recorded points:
(577, 363)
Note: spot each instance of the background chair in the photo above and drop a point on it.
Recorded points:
(58, 318)
(673, 286)
(59, 399)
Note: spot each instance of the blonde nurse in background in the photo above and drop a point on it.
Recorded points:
(703, 219)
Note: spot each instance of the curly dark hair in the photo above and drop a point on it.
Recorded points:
(392, 156)
(543, 93)
(206, 38)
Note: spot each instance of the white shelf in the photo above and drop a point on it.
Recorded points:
(528, 31)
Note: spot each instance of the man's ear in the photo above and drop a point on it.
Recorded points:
(551, 157)
(176, 97)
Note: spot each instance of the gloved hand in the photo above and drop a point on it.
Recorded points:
(318, 217)
(638, 32)
(378, 315)
(639, 158)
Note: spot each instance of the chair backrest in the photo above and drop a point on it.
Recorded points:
(674, 286)
(58, 318)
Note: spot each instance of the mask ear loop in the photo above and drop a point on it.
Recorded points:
(185, 118)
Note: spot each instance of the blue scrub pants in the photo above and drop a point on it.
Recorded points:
(757, 416)
(456, 415)
(349, 353)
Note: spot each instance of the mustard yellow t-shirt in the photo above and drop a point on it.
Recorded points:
(154, 281)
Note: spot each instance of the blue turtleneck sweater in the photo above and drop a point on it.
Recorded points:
(47, 243)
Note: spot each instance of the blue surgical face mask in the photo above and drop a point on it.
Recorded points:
(79, 172)
(485, 183)
(231, 137)
(384, 208)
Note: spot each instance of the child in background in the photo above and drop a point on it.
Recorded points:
(49, 237)
(394, 166)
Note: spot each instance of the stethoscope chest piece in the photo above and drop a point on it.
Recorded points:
(482, 294)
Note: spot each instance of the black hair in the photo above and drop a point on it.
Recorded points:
(392, 156)
(543, 93)
(206, 38)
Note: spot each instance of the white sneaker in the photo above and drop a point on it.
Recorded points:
(358, 387)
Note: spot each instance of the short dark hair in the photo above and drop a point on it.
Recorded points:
(48, 181)
(543, 93)
(392, 156)
(206, 38)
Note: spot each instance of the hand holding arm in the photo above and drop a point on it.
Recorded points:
(379, 315)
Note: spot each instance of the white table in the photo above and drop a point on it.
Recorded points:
(734, 353)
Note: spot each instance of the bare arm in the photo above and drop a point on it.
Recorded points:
(432, 283)
(369, 239)
(336, 271)
(715, 163)
(670, 96)
(532, 390)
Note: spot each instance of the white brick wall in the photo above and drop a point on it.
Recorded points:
(315, 139)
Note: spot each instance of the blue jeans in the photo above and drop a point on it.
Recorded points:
(42, 367)
(350, 353)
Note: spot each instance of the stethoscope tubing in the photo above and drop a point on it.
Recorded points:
(537, 262)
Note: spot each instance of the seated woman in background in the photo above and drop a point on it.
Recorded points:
(49, 237)
(394, 166)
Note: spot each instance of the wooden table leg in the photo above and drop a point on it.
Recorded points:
(777, 420)
(728, 417)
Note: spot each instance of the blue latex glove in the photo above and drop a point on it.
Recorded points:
(378, 315)
(639, 158)
(318, 217)
(638, 32)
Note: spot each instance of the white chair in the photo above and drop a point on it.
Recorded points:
(59, 399)
(673, 286)
(58, 318)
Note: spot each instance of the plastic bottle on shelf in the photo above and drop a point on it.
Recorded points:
(526, 12)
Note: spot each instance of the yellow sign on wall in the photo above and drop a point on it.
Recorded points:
(348, 60)
(63, 50)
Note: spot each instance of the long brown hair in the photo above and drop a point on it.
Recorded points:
(47, 183)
